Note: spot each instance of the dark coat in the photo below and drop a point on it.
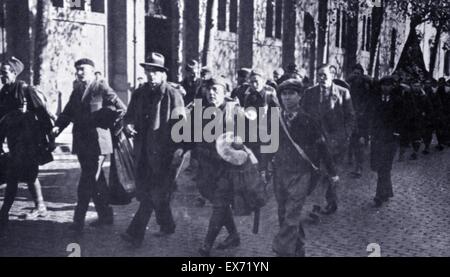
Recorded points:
(150, 112)
(386, 124)
(86, 109)
(12, 98)
(335, 115)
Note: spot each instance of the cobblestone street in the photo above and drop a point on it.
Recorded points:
(415, 223)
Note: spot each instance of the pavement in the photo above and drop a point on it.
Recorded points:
(414, 223)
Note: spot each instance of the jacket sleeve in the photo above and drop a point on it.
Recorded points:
(111, 98)
(130, 115)
(349, 113)
(322, 147)
(67, 116)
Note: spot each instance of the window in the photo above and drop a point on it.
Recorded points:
(393, 47)
(269, 18)
(222, 15)
(98, 6)
(58, 3)
(363, 43)
(447, 63)
(233, 16)
(279, 19)
(338, 28)
(77, 4)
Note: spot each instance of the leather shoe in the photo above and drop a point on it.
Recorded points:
(136, 243)
(231, 241)
(205, 251)
(164, 232)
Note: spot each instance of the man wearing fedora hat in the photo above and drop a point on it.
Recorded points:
(92, 142)
(149, 121)
(27, 124)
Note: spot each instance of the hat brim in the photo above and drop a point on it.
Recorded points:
(147, 65)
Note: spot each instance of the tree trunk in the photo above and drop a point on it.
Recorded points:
(41, 39)
(208, 30)
(434, 50)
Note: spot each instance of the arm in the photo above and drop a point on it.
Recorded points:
(66, 117)
(111, 98)
(349, 113)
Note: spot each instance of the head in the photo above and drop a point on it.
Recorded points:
(358, 70)
(206, 74)
(98, 75)
(243, 76)
(192, 70)
(140, 81)
(277, 74)
(10, 70)
(441, 82)
(387, 84)
(290, 93)
(324, 76)
(85, 70)
(215, 92)
(155, 75)
(257, 81)
(333, 71)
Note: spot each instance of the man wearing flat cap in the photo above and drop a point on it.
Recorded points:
(26, 124)
(292, 170)
(149, 120)
(92, 141)
(191, 81)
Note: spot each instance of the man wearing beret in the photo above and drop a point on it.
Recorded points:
(26, 123)
(92, 141)
(149, 120)
(331, 105)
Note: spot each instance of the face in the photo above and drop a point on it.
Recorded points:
(192, 74)
(333, 72)
(290, 98)
(325, 78)
(257, 82)
(276, 76)
(155, 76)
(8, 75)
(215, 95)
(241, 80)
(85, 73)
(206, 75)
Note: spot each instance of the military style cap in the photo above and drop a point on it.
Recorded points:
(244, 72)
(216, 81)
(257, 72)
(293, 84)
(84, 61)
(15, 64)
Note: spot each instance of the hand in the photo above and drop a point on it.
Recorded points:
(130, 131)
(362, 140)
(335, 179)
(55, 132)
(263, 175)
(178, 157)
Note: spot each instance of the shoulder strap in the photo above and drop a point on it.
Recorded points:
(300, 151)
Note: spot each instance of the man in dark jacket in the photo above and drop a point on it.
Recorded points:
(149, 121)
(90, 101)
(331, 105)
(191, 81)
(291, 179)
(386, 125)
(26, 123)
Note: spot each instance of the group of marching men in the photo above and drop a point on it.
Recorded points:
(321, 125)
